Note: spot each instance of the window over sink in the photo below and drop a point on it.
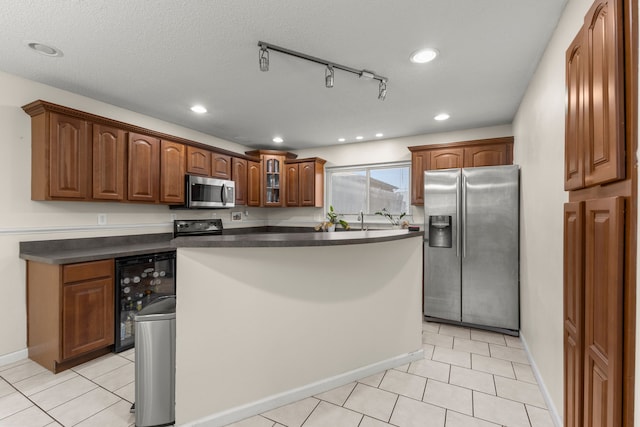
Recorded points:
(369, 188)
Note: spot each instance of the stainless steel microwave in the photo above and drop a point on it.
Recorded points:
(206, 192)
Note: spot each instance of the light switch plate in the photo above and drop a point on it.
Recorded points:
(102, 219)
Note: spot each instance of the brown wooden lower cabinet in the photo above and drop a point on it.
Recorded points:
(593, 314)
(69, 312)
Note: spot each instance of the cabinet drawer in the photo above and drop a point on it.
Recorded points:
(87, 270)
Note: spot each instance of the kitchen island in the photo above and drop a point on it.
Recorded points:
(267, 319)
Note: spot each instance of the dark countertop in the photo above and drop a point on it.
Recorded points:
(69, 251)
(279, 239)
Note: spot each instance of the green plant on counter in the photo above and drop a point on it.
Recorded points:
(332, 216)
(394, 220)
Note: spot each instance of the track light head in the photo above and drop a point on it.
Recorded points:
(263, 58)
(382, 90)
(328, 76)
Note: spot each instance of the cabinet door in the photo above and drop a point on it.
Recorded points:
(486, 155)
(293, 184)
(144, 167)
(311, 184)
(272, 166)
(69, 158)
(605, 97)
(172, 167)
(220, 166)
(603, 315)
(574, 115)
(198, 161)
(239, 174)
(254, 173)
(446, 158)
(87, 319)
(109, 156)
(419, 164)
(573, 313)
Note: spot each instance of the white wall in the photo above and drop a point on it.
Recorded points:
(539, 149)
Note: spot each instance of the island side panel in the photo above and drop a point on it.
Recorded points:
(255, 322)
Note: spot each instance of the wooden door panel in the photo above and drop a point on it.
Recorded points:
(172, 168)
(198, 161)
(292, 192)
(221, 166)
(573, 312)
(604, 254)
(87, 322)
(144, 168)
(308, 196)
(419, 164)
(575, 115)
(109, 157)
(239, 175)
(70, 157)
(487, 155)
(605, 98)
(447, 158)
(254, 174)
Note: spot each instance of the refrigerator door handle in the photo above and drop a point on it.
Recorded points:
(464, 216)
(458, 216)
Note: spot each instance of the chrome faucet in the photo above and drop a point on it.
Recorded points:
(361, 218)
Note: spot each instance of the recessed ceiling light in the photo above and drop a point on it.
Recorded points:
(442, 116)
(379, 135)
(198, 109)
(341, 140)
(359, 137)
(423, 56)
(278, 140)
(44, 49)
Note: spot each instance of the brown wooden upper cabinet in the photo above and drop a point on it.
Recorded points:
(220, 166)
(198, 161)
(239, 173)
(594, 151)
(476, 153)
(144, 168)
(109, 163)
(305, 182)
(254, 174)
(60, 155)
(172, 168)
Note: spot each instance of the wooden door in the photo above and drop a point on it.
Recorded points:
(486, 155)
(292, 178)
(144, 168)
(254, 173)
(419, 164)
(446, 158)
(311, 184)
(239, 175)
(573, 313)
(575, 115)
(220, 166)
(172, 167)
(603, 314)
(69, 158)
(109, 157)
(604, 96)
(198, 161)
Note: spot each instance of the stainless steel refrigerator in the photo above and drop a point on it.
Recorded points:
(471, 250)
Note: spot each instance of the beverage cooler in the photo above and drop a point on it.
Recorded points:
(140, 280)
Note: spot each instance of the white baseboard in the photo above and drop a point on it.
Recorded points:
(553, 411)
(16, 356)
(271, 402)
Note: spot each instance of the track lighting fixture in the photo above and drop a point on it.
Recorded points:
(328, 76)
(330, 66)
(382, 90)
(264, 59)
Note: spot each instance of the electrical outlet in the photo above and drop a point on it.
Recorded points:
(173, 217)
(102, 219)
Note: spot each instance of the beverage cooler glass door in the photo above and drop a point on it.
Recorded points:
(140, 280)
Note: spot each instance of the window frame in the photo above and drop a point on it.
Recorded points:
(367, 168)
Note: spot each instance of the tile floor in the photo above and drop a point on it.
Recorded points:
(468, 378)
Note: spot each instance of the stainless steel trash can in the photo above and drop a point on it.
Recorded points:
(155, 364)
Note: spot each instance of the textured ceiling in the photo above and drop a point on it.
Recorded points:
(158, 57)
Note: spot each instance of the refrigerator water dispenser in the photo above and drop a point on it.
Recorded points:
(440, 231)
